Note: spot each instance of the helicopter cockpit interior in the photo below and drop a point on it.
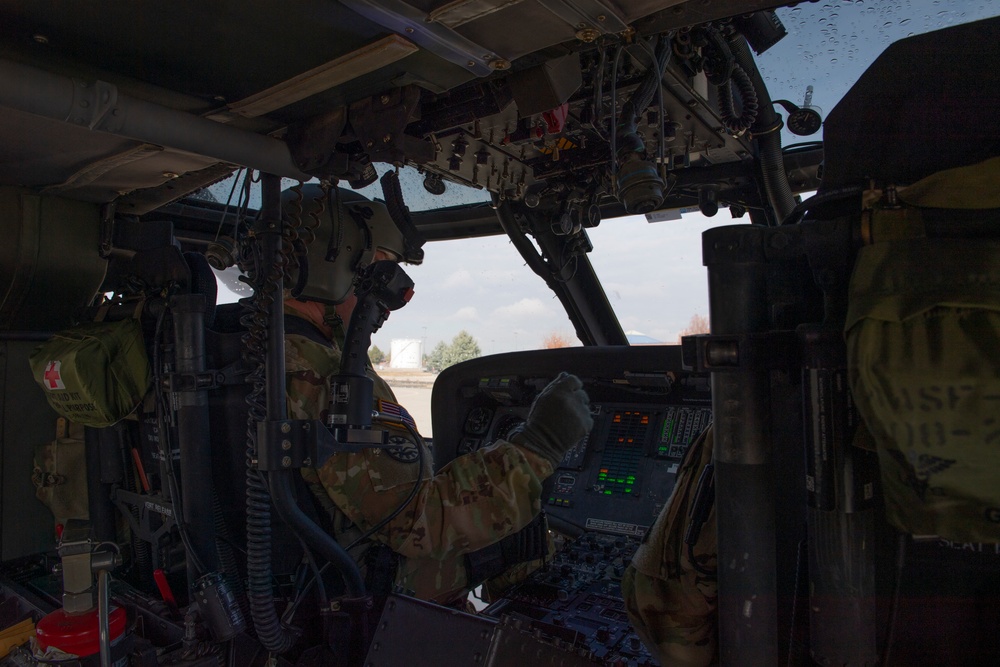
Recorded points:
(152, 508)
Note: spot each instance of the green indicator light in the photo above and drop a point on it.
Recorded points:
(607, 493)
(667, 431)
(628, 489)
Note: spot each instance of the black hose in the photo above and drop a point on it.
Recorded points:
(819, 199)
(413, 240)
(521, 241)
(281, 485)
(378, 526)
(766, 130)
(227, 556)
(642, 97)
(627, 139)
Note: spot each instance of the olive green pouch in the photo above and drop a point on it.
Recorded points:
(94, 374)
(60, 473)
(923, 342)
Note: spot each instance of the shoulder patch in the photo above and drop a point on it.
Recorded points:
(401, 449)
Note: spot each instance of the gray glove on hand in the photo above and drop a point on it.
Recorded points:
(559, 418)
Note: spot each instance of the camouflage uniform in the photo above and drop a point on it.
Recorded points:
(472, 502)
(671, 606)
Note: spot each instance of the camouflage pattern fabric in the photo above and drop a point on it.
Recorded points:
(671, 606)
(472, 502)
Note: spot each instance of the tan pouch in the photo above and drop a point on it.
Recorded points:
(60, 473)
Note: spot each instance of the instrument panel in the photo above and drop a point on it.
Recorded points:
(646, 410)
(604, 494)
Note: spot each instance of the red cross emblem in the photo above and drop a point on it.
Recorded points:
(51, 376)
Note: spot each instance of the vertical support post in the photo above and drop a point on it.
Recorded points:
(270, 240)
(102, 510)
(744, 466)
(193, 433)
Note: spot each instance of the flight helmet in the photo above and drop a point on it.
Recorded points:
(351, 228)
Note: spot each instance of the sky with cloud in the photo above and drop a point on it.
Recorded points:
(651, 272)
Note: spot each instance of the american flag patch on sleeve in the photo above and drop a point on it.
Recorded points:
(395, 410)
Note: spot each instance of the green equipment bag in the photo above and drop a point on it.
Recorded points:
(923, 341)
(94, 374)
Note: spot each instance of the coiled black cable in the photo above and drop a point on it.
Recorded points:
(734, 124)
(262, 276)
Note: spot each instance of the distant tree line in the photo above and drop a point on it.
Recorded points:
(462, 348)
(698, 325)
(555, 340)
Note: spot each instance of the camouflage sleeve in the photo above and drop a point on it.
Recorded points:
(670, 604)
(472, 502)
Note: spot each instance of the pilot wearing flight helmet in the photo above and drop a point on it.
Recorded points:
(472, 503)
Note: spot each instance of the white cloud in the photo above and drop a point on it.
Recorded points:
(460, 278)
(465, 313)
(520, 309)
